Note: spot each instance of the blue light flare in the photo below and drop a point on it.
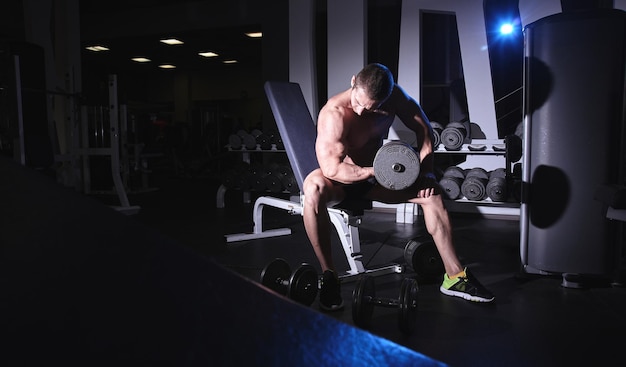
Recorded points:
(506, 29)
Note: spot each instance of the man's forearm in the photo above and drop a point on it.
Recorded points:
(349, 173)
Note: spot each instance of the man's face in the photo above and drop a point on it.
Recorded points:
(361, 102)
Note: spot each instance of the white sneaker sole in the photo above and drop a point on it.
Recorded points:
(465, 296)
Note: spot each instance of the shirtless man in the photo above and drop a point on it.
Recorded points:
(350, 130)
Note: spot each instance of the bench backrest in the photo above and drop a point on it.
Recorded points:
(295, 125)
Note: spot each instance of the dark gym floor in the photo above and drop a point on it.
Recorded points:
(533, 322)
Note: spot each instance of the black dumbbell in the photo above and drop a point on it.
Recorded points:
(300, 285)
(455, 135)
(364, 300)
(422, 256)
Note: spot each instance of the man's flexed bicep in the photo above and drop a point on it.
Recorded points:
(330, 147)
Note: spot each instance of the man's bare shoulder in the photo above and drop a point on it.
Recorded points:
(399, 96)
(335, 108)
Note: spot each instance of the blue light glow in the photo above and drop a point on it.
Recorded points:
(506, 28)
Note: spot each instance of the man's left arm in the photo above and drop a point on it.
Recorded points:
(412, 116)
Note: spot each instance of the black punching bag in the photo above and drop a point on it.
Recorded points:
(574, 85)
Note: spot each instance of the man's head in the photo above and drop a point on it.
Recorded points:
(371, 87)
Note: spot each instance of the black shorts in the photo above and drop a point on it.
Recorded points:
(356, 192)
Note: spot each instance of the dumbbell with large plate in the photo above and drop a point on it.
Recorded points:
(454, 135)
(452, 181)
(300, 285)
(364, 300)
(396, 165)
(497, 186)
(474, 186)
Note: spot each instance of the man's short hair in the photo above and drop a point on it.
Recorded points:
(376, 80)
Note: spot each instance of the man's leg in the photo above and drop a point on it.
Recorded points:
(457, 281)
(319, 192)
(435, 217)
(438, 225)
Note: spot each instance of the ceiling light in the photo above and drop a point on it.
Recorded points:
(141, 59)
(172, 41)
(229, 61)
(97, 48)
(167, 66)
(207, 54)
(254, 34)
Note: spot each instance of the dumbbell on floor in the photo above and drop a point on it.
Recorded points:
(301, 285)
(422, 256)
(364, 300)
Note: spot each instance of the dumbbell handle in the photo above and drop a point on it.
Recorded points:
(384, 302)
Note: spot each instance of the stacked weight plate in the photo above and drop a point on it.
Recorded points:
(497, 186)
(451, 182)
(475, 184)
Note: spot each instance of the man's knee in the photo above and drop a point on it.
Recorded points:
(314, 189)
(313, 186)
(320, 191)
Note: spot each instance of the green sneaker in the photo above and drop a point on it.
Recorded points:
(467, 287)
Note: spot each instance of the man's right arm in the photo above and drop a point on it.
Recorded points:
(331, 150)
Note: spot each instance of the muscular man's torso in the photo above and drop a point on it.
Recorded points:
(363, 134)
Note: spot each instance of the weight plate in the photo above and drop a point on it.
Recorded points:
(263, 141)
(249, 141)
(273, 183)
(451, 186)
(498, 172)
(234, 141)
(496, 189)
(453, 136)
(478, 172)
(422, 255)
(303, 285)
(362, 296)
(474, 188)
(407, 305)
(396, 165)
(437, 129)
(454, 171)
(275, 276)
(436, 126)
(289, 183)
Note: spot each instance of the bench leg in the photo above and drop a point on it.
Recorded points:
(349, 237)
(257, 216)
(348, 231)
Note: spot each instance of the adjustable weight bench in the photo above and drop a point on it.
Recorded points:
(298, 132)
